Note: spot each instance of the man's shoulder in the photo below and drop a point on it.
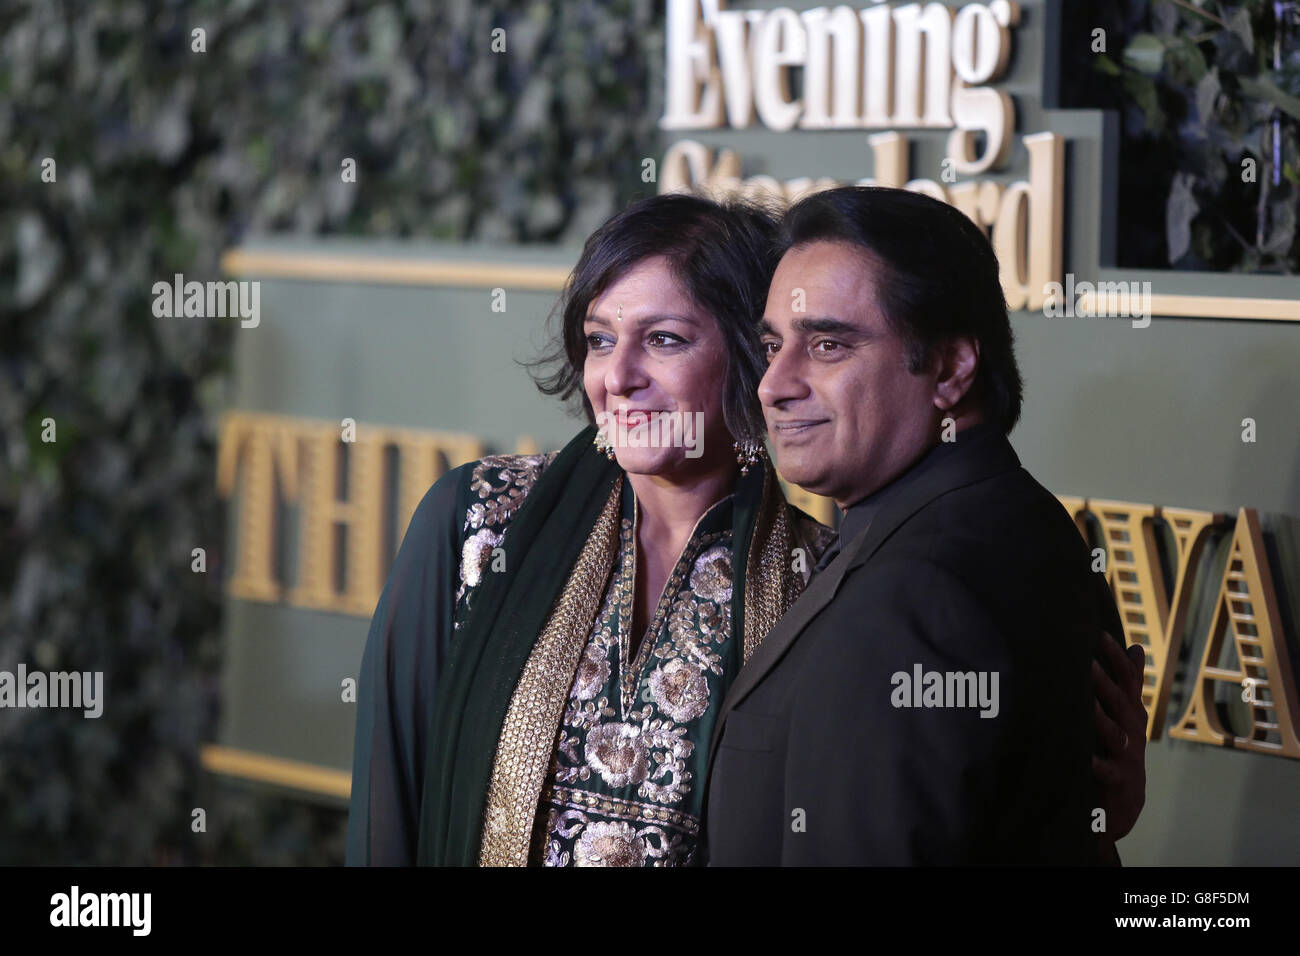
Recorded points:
(1004, 542)
(1004, 515)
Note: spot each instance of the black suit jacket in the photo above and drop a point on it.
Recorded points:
(971, 567)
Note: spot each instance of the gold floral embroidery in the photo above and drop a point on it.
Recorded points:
(516, 475)
(475, 554)
(711, 576)
(680, 690)
(609, 844)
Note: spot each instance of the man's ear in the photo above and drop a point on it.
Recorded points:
(959, 359)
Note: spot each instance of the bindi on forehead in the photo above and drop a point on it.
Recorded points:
(631, 321)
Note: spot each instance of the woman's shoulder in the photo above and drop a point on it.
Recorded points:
(498, 485)
(495, 488)
(480, 494)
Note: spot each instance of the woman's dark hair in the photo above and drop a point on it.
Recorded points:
(723, 254)
(942, 279)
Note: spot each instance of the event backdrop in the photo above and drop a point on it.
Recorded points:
(408, 187)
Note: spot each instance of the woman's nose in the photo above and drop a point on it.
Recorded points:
(626, 371)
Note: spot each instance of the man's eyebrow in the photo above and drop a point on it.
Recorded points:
(820, 324)
(830, 326)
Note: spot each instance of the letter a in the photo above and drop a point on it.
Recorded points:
(1246, 611)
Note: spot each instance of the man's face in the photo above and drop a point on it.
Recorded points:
(845, 416)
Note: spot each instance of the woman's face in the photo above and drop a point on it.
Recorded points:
(654, 376)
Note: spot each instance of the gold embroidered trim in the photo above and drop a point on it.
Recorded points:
(771, 584)
(528, 734)
(627, 810)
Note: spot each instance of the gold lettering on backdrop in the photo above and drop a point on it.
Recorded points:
(269, 454)
(1191, 532)
(919, 66)
(1028, 240)
(909, 65)
(423, 456)
(272, 459)
(1246, 612)
(1134, 573)
(1138, 583)
(325, 513)
(1027, 217)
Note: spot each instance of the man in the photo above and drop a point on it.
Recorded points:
(929, 699)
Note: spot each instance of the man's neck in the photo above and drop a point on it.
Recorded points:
(962, 420)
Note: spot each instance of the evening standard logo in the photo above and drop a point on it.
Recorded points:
(946, 689)
(102, 909)
(208, 300)
(55, 689)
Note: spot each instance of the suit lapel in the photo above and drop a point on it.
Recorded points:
(819, 593)
(982, 454)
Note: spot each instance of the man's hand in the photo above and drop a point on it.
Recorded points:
(1121, 722)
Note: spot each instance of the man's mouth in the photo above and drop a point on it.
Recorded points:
(797, 426)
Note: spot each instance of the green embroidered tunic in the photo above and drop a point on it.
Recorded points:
(623, 787)
(624, 783)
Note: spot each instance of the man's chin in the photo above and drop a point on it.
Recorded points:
(802, 473)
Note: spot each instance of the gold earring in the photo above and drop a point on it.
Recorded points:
(748, 452)
(604, 445)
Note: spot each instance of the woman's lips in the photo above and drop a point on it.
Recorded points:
(631, 414)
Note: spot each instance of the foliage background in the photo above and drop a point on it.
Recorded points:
(1200, 96)
(165, 157)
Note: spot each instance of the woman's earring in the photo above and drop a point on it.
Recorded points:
(604, 445)
(748, 453)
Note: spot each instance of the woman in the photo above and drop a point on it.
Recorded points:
(583, 613)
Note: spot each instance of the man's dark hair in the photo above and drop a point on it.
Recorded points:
(942, 279)
(723, 254)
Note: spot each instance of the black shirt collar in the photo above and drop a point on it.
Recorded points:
(860, 514)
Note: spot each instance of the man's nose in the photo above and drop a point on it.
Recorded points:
(784, 380)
